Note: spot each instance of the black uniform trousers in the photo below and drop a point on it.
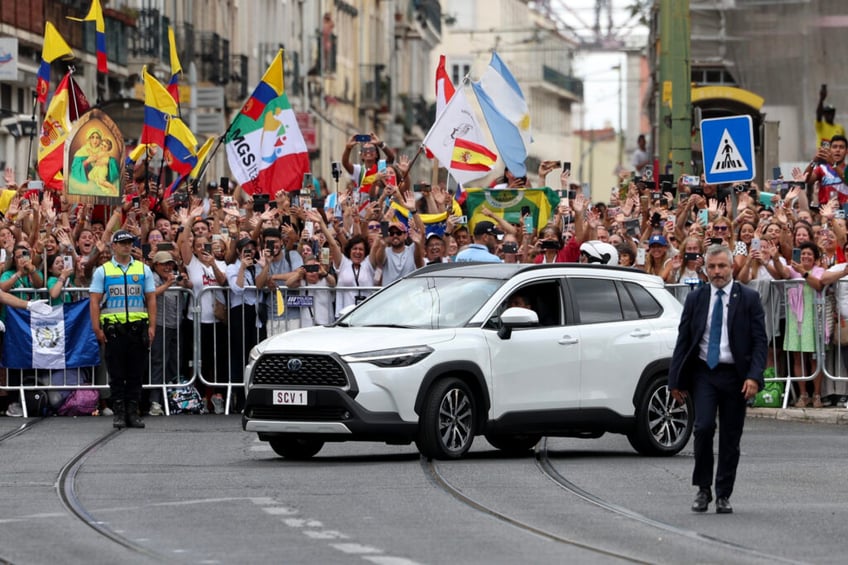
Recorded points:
(717, 390)
(126, 359)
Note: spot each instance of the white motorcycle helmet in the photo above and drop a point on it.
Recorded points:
(598, 252)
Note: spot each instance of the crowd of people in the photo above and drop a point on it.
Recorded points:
(250, 266)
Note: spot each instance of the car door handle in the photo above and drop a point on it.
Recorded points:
(640, 333)
(567, 340)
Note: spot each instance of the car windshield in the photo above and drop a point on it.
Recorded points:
(424, 302)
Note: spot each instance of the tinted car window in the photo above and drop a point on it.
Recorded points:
(646, 304)
(596, 300)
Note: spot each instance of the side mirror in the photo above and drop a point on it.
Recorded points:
(516, 318)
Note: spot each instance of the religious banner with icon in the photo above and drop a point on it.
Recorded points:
(94, 159)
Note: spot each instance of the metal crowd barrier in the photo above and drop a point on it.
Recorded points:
(202, 348)
(212, 350)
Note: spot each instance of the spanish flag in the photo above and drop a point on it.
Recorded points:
(270, 87)
(55, 47)
(176, 68)
(95, 14)
(66, 106)
(158, 107)
(470, 156)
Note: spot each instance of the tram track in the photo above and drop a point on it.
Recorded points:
(432, 471)
(66, 490)
(549, 471)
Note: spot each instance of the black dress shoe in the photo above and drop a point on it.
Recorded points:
(723, 505)
(702, 500)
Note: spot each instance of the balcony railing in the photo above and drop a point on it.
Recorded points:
(374, 87)
(569, 83)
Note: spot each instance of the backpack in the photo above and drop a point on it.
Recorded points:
(81, 402)
(186, 400)
(772, 394)
(37, 403)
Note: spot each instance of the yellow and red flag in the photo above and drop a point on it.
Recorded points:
(66, 106)
(470, 156)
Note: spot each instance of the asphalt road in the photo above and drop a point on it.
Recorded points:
(196, 489)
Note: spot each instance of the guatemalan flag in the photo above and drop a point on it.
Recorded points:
(62, 339)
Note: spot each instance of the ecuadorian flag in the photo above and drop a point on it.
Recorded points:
(270, 87)
(60, 340)
(180, 148)
(95, 14)
(158, 107)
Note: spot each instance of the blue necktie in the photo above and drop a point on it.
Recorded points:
(715, 331)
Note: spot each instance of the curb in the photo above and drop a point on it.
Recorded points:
(810, 415)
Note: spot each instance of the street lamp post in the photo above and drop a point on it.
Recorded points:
(620, 121)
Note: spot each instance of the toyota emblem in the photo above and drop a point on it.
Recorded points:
(294, 365)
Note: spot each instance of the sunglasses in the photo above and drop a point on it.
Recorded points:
(719, 228)
(374, 227)
(395, 232)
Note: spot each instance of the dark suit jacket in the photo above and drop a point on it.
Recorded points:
(746, 332)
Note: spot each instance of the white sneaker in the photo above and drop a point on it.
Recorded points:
(218, 403)
(15, 410)
(106, 411)
(156, 409)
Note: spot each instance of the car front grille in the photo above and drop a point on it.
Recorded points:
(301, 413)
(284, 369)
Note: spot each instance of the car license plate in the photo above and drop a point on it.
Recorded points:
(290, 397)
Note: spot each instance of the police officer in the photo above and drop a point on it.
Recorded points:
(123, 315)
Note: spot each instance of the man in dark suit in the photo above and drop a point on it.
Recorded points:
(719, 358)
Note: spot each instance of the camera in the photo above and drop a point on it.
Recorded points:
(178, 276)
(311, 268)
(362, 138)
(510, 247)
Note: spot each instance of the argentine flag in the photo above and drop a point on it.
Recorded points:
(62, 339)
(506, 112)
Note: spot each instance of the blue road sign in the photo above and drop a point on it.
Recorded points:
(727, 145)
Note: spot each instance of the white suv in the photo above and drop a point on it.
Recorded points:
(440, 357)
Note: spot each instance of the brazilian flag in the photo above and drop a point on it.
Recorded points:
(508, 204)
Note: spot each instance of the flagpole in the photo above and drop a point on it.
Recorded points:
(32, 133)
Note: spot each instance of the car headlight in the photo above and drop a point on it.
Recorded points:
(395, 357)
(254, 354)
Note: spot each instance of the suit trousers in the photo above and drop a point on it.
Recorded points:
(719, 391)
(126, 355)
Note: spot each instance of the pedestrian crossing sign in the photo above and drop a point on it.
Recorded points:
(727, 145)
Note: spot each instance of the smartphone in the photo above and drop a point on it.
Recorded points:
(716, 241)
(420, 187)
(691, 256)
(145, 249)
(336, 170)
(259, 202)
(640, 256)
(631, 227)
(566, 165)
(755, 244)
(307, 181)
(165, 246)
(218, 201)
(775, 173)
(362, 138)
(381, 165)
(216, 237)
(312, 268)
(525, 211)
(224, 183)
(670, 220)
(207, 248)
(68, 262)
(225, 231)
(270, 246)
(384, 229)
(325, 255)
(825, 144)
(309, 229)
(136, 203)
(691, 180)
(510, 247)
(35, 185)
(462, 220)
(572, 194)
(655, 196)
(796, 255)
